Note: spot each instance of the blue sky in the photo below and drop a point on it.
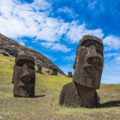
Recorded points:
(54, 28)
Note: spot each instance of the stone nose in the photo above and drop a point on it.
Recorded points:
(95, 60)
(25, 77)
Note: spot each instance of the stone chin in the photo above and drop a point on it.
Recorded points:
(91, 79)
(93, 76)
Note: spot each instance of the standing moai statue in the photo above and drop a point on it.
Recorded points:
(24, 76)
(54, 71)
(39, 68)
(87, 75)
(69, 74)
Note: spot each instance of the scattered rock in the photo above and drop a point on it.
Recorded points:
(69, 74)
(54, 71)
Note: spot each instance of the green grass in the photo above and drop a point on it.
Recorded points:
(45, 106)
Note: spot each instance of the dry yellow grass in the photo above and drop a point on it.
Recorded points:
(45, 105)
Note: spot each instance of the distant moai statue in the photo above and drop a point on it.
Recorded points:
(54, 71)
(69, 74)
(87, 75)
(24, 76)
(39, 68)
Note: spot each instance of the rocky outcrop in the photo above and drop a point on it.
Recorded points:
(9, 47)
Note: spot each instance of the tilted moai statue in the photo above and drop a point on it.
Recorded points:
(69, 74)
(24, 77)
(39, 68)
(54, 71)
(87, 75)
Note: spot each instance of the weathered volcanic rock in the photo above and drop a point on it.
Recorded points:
(74, 94)
(69, 74)
(24, 77)
(54, 71)
(39, 68)
(87, 75)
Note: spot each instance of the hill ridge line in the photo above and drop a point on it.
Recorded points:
(11, 48)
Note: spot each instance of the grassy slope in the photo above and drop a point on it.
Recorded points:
(45, 106)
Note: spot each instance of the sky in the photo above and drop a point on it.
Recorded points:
(54, 28)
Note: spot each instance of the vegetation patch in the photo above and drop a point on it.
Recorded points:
(45, 104)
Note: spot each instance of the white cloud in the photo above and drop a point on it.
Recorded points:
(41, 5)
(52, 58)
(67, 68)
(6, 7)
(52, 29)
(92, 4)
(77, 31)
(71, 58)
(112, 43)
(108, 55)
(22, 43)
(56, 46)
(67, 11)
(25, 21)
(111, 72)
(18, 20)
(118, 58)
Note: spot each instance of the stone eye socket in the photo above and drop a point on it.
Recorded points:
(89, 43)
(94, 61)
(20, 63)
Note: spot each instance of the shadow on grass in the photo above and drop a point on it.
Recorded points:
(37, 96)
(110, 104)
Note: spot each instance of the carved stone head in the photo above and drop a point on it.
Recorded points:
(54, 71)
(69, 74)
(39, 68)
(24, 76)
(89, 62)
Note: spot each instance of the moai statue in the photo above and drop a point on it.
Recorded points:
(24, 77)
(54, 71)
(39, 68)
(69, 74)
(87, 75)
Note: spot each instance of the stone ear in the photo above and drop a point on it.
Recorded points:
(13, 75)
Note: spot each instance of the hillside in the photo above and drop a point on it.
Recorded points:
(45, 105)
(9, 47)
